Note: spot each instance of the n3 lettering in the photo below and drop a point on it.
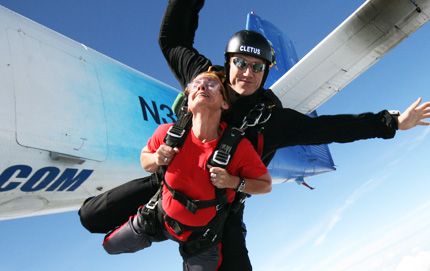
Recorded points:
(155, 113)
(43, 179)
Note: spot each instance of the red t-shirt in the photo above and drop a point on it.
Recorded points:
(189, 174)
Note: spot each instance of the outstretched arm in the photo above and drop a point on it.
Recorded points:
(176, 39)
(414, 115)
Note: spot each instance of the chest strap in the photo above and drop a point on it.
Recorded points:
(193, 205)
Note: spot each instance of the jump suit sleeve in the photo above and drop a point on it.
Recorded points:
(289, 128)
(176, 39)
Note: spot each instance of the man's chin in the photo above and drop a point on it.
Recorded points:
(243, 91)
(239, 91)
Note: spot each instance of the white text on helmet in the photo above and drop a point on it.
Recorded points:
(249, 49)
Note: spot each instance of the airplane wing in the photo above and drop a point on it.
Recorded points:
(359, 42)
(65, 107)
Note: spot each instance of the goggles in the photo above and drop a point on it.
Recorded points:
(255, 66)
(209, 84)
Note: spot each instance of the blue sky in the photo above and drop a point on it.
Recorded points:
(373, 213)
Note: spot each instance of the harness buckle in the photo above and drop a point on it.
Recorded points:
(192, 206)
(221, 157)
(206, 235)
(175, 131)
(152, 204)
(253, 117)
(239, 130)
(266, 118)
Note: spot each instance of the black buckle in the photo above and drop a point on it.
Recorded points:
(192, 206)
(176, 226)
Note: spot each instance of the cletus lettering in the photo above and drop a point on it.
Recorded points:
(154, 112)
(249, 49)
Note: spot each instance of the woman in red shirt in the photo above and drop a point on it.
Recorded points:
(188, 173)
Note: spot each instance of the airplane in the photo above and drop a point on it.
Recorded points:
(76, 119)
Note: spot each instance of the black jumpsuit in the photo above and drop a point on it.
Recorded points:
(286, 127)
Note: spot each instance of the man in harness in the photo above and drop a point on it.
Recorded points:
(246, 77)
(196, 195)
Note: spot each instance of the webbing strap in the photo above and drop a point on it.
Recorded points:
(226, 147)
(148, 214)
(190, 204)
(178, 132)
(224, 151)
(260, 144)
(211, 229)
(259, 115)
(201, 240)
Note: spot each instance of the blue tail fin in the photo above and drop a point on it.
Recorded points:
(283, 47)
(298, 162)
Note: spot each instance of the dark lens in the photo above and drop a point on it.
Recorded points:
(258, 67)
(240, 63)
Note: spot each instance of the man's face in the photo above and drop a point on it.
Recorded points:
(245, 81)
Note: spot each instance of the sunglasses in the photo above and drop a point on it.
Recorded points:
(255, 66)
(209, 84)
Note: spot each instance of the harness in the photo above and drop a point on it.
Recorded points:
(203, 236)
(258, 116)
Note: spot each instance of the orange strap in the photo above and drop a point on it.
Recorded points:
(260, 144)
(308, 186)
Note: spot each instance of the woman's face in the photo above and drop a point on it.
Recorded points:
(205, 91)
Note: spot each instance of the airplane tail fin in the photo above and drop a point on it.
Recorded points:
(310, 160)
(283, 47)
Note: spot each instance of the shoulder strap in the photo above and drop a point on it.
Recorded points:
(178, 132)
(231, 137)
(226, 147)
(259, 115)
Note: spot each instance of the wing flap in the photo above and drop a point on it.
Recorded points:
(360, 41)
